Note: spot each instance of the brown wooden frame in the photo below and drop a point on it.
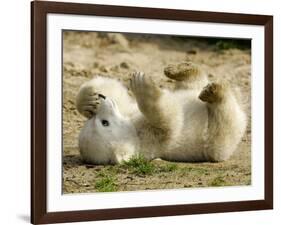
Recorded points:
(39, 11)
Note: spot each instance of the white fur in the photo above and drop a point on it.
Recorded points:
(195, 135)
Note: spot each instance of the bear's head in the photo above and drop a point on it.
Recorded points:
(106, 133)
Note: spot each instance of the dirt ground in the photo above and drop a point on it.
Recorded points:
(86, 54)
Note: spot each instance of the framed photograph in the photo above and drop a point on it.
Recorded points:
(144, 112)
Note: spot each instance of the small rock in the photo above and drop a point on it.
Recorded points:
(192, 51)
(104, 69)
(124, 65)
(115, 38)
(119, 39)
(115, 68)
(96, 65)
(88, 166)
(129, 177)
(71, 101)
(87, 44)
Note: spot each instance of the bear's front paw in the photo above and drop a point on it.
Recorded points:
(88, 102)
(143, 87)
(212, 93)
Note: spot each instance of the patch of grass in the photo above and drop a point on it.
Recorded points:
(225, 44)
(110, 169)
(106, 184)
(194, 170)
(217, 181)
(168, 168)
(139, 165)
(230, 44)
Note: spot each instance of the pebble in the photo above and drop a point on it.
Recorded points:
(192, 52)
(124, 65)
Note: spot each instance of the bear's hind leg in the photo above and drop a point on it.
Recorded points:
(226, 121)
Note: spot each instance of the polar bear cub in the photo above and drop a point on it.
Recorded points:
(199, 121)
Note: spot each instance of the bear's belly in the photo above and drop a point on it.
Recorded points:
(190, 145)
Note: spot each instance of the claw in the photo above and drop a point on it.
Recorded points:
(101, 96)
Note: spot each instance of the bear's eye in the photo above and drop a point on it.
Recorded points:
(105, 123)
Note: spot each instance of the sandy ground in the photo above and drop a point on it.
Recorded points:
(114, 55)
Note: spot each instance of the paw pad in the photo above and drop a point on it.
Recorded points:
(182, 71)
(213, 92)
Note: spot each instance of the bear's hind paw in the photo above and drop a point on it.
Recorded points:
(212, 93)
